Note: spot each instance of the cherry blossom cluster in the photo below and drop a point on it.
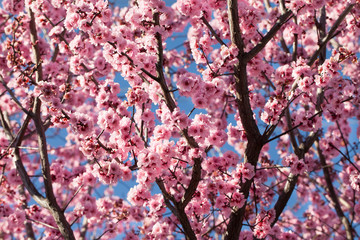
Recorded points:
(249, 128)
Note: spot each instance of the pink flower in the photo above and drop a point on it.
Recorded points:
(186, 82)
(71, 21)
(221, 202)
(217, 138)
(231, 158)
(245, 171)
(296, 165)
(82, 124)
(161, 132)
(180, 119)
(189, 7)
(355, 181)
(237, 200)
(138, 195)
(136, 96)
(109, 120)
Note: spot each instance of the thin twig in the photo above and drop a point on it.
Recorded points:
(333, 195)
(284, 133)
(73, 196)
(14, 98)
(42, 223)
(331, 33)
(213, 31)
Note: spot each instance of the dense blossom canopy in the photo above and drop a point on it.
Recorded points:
(234, 119)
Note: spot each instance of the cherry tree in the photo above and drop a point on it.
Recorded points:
(248, 129)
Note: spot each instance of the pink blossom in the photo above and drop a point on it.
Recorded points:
(237, 200)
(138, 195)
(217, 138)
(245, 171)
(154, 121)
(82, 124)
(355, 181)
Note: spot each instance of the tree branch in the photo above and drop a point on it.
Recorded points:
(13, 97)
(292, 179)
(333, 196)
(236, 217)
(285, 196)
(234, 25)
(159, 68)
(84, 228)
(196, 172)
(330, 34)
(178, 209)
(213, 31)
(309, 141)
(16, 142)
(28, 225)
(132, 63)
(53, 207)
(260, 46)
(194, 182)
(36, 58)
(284, 133)
(255, 140)
(241, 83)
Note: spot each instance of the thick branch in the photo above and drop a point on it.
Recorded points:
(55, 210)
(322, 33)
(167, 197)
(179, 207)
(285, 196)
(241, 83)
(235, 25)
(295, 48)
(35, 47)
(333, 196)
(178, 210)
(236, 217)
(282, 6)
(53, 207)
(309, 141)
(159, 68)
(194, 182)
(28, 225)
(243, 103)
(185, 223)
(15, 142)
(292, 179)
(255, 141)
(260, 46)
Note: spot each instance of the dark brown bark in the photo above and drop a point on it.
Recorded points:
(333, 195)
(272, 32)
(255, 141)
(16, 142)
(309, 141)
(237, 216)
(30, 235)
(52, 205)
(177, 208)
